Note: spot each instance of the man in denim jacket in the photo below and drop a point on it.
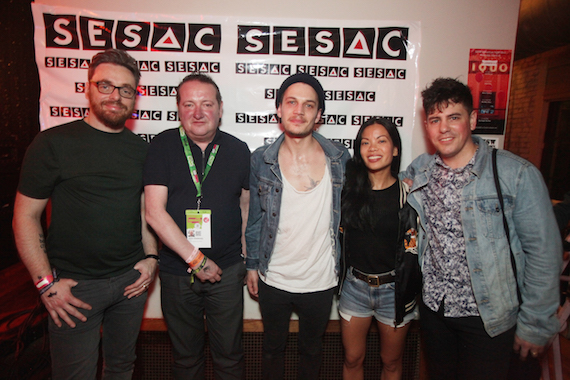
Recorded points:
(470, 315)
(292, 229)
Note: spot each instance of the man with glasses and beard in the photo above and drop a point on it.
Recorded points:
(94, 267)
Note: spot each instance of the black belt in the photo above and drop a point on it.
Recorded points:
(374, 280)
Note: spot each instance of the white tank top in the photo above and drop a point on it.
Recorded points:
(303, 257)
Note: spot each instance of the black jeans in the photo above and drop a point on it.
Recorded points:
(460, 348)
(184, 305)
(313, 310)
(75, 351)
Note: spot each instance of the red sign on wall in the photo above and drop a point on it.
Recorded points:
(489, 75)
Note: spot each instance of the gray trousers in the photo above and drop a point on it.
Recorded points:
(75, 351)
(184, 305)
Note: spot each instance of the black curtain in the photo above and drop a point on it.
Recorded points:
(19, 109)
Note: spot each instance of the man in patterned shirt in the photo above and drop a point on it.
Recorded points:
(471, 318)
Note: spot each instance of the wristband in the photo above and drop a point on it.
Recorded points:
(198, 269)
(192, 255)
(46, 288)
(156, 257)
(202, 264)
(44, 282)
(195, 258)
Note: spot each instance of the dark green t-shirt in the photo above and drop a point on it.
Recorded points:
(94, 180)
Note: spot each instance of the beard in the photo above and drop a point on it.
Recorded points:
(292, 130)
(114, 119)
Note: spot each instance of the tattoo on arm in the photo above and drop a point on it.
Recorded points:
(43, 243)
(52, 294)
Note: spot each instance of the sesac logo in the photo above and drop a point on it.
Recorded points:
(262, 68)
(324, 71)
(350, 96)
(360, 119)
(333, 120)
(164, 91)
(254, 118)
(67, 63)
(147, 115)
(62, 111)
(81, 63)
(363, 43)
(191, 67)
(379, 73)
(334, 95)
(62, 31)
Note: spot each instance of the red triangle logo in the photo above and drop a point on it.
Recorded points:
(358, 45)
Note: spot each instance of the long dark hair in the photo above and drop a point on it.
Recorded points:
(357, 193)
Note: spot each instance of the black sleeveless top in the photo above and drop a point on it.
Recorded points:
(373, 250)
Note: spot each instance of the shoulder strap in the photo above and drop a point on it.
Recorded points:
(505, 224)
(404, 190)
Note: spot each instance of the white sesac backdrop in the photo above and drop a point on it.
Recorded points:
(367, 68)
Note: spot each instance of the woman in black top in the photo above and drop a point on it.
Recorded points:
(373, 205)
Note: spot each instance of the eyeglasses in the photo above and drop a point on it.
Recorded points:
(106, 88)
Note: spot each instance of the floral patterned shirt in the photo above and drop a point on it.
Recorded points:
(445, 270)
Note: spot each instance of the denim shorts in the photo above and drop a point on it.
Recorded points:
(358, 299)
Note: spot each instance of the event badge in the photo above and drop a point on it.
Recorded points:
(199, 228)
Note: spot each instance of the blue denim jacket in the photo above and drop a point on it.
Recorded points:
(535, 241)
(266, 187)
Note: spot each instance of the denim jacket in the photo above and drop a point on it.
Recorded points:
(535, 242)
(266, 187)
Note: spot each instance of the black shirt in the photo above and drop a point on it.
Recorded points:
(373, 250)
(94, 180)
(167, 165)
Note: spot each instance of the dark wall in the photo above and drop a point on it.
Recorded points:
(19, 109)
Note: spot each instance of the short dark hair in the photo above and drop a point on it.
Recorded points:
(199, 77)
(116, 57)
(443, 91)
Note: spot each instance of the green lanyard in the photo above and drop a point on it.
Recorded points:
(192, 165)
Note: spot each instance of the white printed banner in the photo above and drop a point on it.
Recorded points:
(367, 68)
